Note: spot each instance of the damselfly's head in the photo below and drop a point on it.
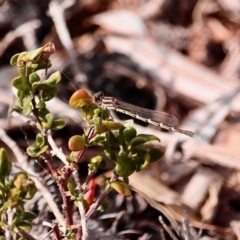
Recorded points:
(98, 97)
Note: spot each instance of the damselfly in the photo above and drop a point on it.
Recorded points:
(157, 118)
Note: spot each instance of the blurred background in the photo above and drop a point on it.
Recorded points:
(180, 57)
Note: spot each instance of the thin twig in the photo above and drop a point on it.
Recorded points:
(18, 32)
(55, 150)
(168, 230)
(67, 202)
(185, 224)
(24, 234)
(48, 234)
(162, 234)
(200, 232)
(9, 215)
(81, 209)
(24, 119)
(56, 11)
(56, 231)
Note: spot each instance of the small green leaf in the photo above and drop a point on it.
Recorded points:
(138, 141)
(42, 112)
(112, 141)
(129, 133)
(96, 159)
(40, 141)
(72, 156)
(92, 168)
(43, 65)
(54, 79)
(24, 225)
(80, 197)
(31, 55)
(33, 151)
(58, 124)
(10, 203)
(97, 162)
(27, 105)
(27, 109)
(14, 59)
(41, 53)
(22, 84)
(33, 77)
(155, 154)
(46, 125)
(41, 104)
(150, 137)
(29, 216)
(71, 187)
(125, 166)
(20, 180)
(103, 206)
(49, 117)
(49, 92)
(26, 100)
(21, 95)
(98, 127)
(17, 108)
(146, 162)
(110, 154)
(42, 150)
(143, 138)
(31, 190)
(139, 150)
(5, 165)
(74, 165)
(21, 63)
(111, 125)
(38, 148)
(98, 139)
(121, 188)
(37, 85)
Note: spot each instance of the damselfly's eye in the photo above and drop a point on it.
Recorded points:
(97, 97)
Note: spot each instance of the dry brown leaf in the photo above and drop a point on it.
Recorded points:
(120, 22)
(229, 139)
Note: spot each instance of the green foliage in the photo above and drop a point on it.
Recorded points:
(38, 147)
(95, 163)
(5, 165)
(130, 152)
(121, 188)
(120, 143)
(32, 91)
(29, 62)
(13, 194)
